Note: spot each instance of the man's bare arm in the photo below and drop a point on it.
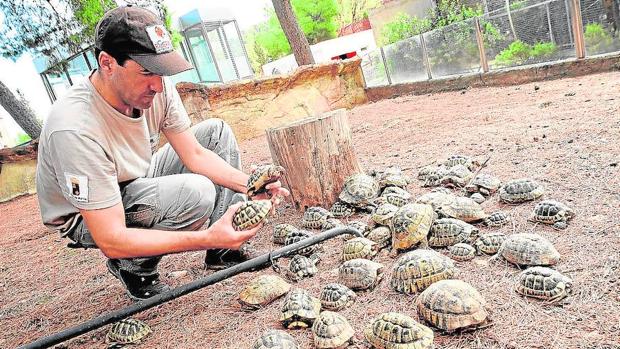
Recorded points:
(115, 240)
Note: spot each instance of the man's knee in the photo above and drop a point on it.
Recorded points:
(213, 131)
(195, 199)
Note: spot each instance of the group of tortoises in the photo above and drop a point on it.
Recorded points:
(392, 217)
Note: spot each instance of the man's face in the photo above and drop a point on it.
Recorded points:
(136, 86)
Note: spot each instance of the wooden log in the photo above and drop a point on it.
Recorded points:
(318, 156)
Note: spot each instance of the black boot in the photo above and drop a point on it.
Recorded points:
(218, 259)
(138, 287)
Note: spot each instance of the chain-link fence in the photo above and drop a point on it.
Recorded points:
(510, 33)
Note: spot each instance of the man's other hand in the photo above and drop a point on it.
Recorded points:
(222, 234)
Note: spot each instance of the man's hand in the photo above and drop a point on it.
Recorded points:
(222, 234)
(275, 192)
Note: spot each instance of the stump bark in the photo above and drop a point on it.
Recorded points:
(318, 156)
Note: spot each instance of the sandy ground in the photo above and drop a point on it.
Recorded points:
(563, 133)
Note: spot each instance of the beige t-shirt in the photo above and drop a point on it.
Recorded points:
(87, 147)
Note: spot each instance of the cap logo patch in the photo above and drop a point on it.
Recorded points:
(160, 38)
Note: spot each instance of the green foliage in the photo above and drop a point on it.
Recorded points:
(317, 19)
(520, 52)
(451, 11)
(518, 5)
(22, 138)
(403, 26)
(176, 37)
(350, 11)
(597, 39)
(88, 13)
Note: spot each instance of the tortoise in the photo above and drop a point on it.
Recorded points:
(127, 331)
(360, 226)
(341, 209)
(299, 309)
(525, 249)
(434, 176)
(552, 212)
(466, 161)
(451, 305)
(497, 219)
(335, 296)
(359, 248)
(275, 339)
(298, 235)
(251, 213)
(462, 252)
(384, 213)
(410, 226)
(462, 208)
(280, 231)
(456, 176)
(360, 274)
(382, 236)
(477, 197)
(332, 330)
(543, 283)
(314, 217)
(436, 198)
(395, 199)
(416, 270)
(300, 267)
(331, 223)
(484, 184)
(262, 176)
(398, 191)
(262, 290)
(489, 243)
(359, 189)
(398, 331)
(393, 177)
(449, 231)
(520, 190)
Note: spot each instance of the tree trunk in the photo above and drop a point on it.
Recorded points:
(20, 112)
(294, 35)
(318, 156)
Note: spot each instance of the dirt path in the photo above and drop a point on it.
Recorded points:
(563, 133)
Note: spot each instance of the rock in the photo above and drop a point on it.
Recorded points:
(477, 197)
(536, 87)
(177, 274)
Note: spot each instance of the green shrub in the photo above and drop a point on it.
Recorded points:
(519, 52)
(597, 39)
(403, 26)
(544, 49)
(518, 5)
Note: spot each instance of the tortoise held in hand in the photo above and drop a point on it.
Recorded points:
(251, 214)
(262, 176)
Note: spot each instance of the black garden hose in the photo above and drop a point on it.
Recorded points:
(216, 277)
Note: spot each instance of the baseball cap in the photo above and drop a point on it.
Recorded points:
(141, 35)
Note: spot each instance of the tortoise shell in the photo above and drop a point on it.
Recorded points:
(452, 304)
(331, 330)
(477, 197)
(280, 231)
(397, 191)
(314, 217)
(410, 225)
(382, 236)
(331, 223)
(397, 200)
(543, 283)
(128, 331)
(251, 214)
(393, 177)
(299, 309)
(360, 274)
(416, 270)
(341, 209)
(298, 235)
(552, 212)
(466, 161)
(398, 331)
(360, 226)
(526, 249)
(484, 184)
(462, 252)
(464, 209)
(520, 190)
(384, 213)
(432, 175)
(497, 219)
(336, 297)
(436, 199)
(300, 267)
(449, 231)
(359, 248)
(262, 176)
(490, 243)
(263, 290)
(457, 176)
(359, 189)
(275, 339)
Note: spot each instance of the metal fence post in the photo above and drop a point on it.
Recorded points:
(484, 64)
(568, 22)
(512, 26)
(551, 37)
(577, 28)
(425, 57)
(385, 67)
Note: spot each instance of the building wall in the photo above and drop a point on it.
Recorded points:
(380, 16)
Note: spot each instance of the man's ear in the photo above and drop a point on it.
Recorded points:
(106, 61)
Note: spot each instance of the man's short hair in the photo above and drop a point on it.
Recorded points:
(120, 58)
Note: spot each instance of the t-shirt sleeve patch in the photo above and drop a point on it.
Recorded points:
(77, 186)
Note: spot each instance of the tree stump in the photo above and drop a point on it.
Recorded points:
(318, 156)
